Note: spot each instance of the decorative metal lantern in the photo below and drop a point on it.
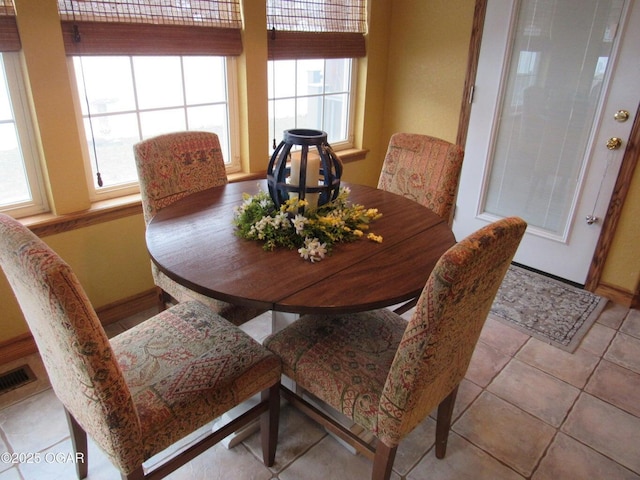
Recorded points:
(311, 177)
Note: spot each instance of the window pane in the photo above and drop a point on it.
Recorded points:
(336, 116)
(21, 190)
(205, 80)
(337, 75)
(158, 122)
(211, 119)
(5, 104)
(309, 112)
(283, 79)
(311, 94)
(14, 186)
(109, 85)
(310, 77)
(114, 136)
(283, 118)
(158, 82)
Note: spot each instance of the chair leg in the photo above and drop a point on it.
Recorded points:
(79, 444)
(163, 299)
(383, 461)
(443, 422)
(405, 307)
(269, 421)
(137, 474)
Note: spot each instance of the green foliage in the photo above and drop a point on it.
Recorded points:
(313, 233)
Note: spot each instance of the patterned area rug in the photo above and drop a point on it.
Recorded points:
(552, 311)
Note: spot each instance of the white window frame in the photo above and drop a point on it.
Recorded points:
(349, 142)
(27, 140)
(108, 192)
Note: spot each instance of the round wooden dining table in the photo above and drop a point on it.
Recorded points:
(194, 242)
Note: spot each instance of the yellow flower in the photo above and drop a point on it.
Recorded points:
(331, 221)
(337, 221)
(375, 238)
(290, 205)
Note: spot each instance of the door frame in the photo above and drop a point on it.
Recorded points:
(621, 189)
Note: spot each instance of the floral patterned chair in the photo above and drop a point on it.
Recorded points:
(387, 375)
(425, 169)
(148, 387)
(170, 167)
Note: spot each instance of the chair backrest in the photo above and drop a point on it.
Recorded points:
(74, 348)
(174, 165)
(425, 169)
(437, 345)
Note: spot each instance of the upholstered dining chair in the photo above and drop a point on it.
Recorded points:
(170, 167)
(425, 169)
(386, 374)
(148, 387)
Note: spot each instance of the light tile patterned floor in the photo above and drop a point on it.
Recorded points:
(525, 411)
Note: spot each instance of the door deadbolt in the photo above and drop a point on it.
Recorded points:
(614, 143)
(621, 116)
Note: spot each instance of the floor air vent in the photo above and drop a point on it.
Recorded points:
(16, 378)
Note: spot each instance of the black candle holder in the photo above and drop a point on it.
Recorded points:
(312, 178)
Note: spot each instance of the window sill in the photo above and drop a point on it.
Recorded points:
(107, 210)
(99, 212)
(352, 154)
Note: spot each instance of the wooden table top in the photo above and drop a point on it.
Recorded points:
(193, 241)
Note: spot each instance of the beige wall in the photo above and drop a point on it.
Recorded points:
(622, 268)
(110, 260)
(411, 80)
(428, 49)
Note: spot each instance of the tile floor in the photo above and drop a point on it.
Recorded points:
(526, 410)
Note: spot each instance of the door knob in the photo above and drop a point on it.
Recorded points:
(614, 143)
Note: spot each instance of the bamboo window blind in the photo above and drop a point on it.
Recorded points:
(151, 27)
(299, 29)
(9, 37)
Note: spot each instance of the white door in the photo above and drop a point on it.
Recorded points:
(551, 76)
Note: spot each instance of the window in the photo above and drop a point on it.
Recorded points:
(21, 185)
(145, 68)
(313, 94)
(125, 99)
(313, 46)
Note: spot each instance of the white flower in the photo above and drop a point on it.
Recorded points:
(282, 220)
(313, 250)
(299, 221)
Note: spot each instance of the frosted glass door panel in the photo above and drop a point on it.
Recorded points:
(560, 54)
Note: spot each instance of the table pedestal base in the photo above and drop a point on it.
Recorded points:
(279, 320)
(238, 436)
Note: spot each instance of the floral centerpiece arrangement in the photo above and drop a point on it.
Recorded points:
(313, 233)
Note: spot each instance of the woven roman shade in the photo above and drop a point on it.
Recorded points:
(151, 27)
(300, 29)
(9, 37)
